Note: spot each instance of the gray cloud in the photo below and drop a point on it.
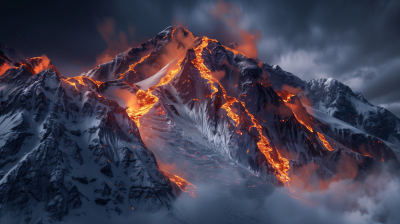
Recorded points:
(374, 200)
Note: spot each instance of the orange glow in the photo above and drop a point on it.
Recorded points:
(173, 31)
(304, 180)
(297, 109)
(284, 95)
(183, 184)
(235, 52)
(3, 68)
(145, 100)
(326, 143)
(301, 115)
(303, 99)
(98, 83)
(117, 42)
(43, 63)
(190, 33)
(132, 66)
(231, 14)
(71, 83)
(280, 164)
(160, 111)
(303, 123)
(198, 62)
(171, 74)
(80, 81)
(227, 107)
(364, 151)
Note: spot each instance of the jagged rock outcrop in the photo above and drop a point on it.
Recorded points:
(59, 144)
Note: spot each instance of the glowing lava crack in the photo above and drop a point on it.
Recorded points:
(301, 119)
(281, 164)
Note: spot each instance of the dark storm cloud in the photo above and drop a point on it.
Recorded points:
(66, 31)
(356, 42)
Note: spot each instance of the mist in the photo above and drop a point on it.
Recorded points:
(251, 200)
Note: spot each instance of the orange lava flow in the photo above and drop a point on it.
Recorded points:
(35, 58)
(198, 62)
(183, 184)
(71, 83)
(132, 66)
(326, 143)
(286, 97)
(98, 83)
(173, 31)
(146, 99)
(280, 164)
(171, 74)
(80, 80)
(303, 123)
(227, 106)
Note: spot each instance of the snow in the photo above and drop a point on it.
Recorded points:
(361, 107)
(339, 124)
(155, 79)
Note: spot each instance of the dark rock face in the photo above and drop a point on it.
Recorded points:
(339, 101)
(244, 80)
(55, 139)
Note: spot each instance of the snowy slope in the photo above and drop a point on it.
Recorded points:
(338, 100)
(68, 151)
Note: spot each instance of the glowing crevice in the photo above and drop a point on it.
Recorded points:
(281, 166)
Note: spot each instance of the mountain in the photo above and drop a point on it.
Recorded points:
(337, 100)
(65, 147)
(11, 58)
(134, 133)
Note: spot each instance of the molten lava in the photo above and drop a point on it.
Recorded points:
(284, 95)
(303, 122)
(132, 66)
(145, 100)
(198, 62)
(302, 118)
(326, 143)
(227, 107)
(80, 81)
(183, 184)
(280, 164)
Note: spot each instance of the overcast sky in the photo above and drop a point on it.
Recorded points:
(355, 42)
